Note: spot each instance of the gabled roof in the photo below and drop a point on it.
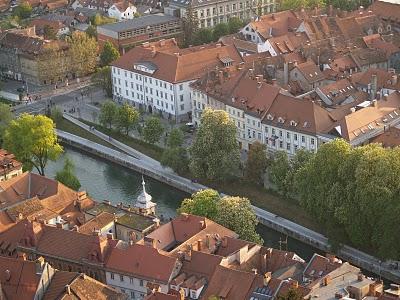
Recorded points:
(389, 10)
(311, 72)
(365, 56)
(175, 64)
(97, 223)
(320, 266)
(143, 262)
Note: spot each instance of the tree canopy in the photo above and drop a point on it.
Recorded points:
(175, 156)
(5, 118)
(83, 52)
(256, 163)
(190, 24)
(108, 54)
(153, 130)
(235, 24)
(23, 10)
(102, 79)
(215, 151)
(67, 177)
(219, 30)
(33, 141)
(108, 114)
(127, 117)
(234, 213)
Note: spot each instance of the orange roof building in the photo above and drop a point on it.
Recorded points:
(9, 166)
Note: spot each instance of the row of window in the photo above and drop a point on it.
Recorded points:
(229, 7)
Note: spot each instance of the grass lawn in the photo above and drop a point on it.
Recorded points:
(70, 127)
(153, 151)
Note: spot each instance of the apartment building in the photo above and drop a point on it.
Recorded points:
(124, 35)
(156, 76)
(264, 113)
(9, 166)
(211, 13)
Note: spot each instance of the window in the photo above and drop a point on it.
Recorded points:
(312, 141)
(126, 83)
(181, 98)
(280, 133)
(181, 87)
(254, 123)
(287, 135)
(273, 131)
(182, 106)
(259, 135)
(122, 290)
(266, 129)
(280, 144)
(303, 139)
(130, 280)
(141, 282)
(132, 295)
(295, 136)
(121, 278)
(288, 146)
(112, 276)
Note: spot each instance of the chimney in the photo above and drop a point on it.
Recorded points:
(254, 271)
(218, 45)
(153, 51)
(7, 274)
(22, 255)
(59, 225)
(208, 241)
(326, 280)
(374, 103)
(360, 277)
(251, 74)
(184, 216)
(295, 284)
(352, 110)
(263, 263)
(202, 224)
(274, 83)
(162, 42)
(267, 278)
(394, 79)
(295, 63)
(39, 265)
(110, 236)
(285, 73)
(199, 246)
(378, 95)
(273, 16)
(181, 294)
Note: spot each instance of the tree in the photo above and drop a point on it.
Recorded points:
(235, 24)
(23, 11)
(102, 79)
(67, 177)
(278, 170)
(348, 5)
(300, 159)
(153, 130)
(98, 20)
(219, 30)
(56, 115)
(203, 36)
(190, 24)
(215, 152)
(108, 114)
(53, 63)
(202, 203)
(91, 31)
(256, 163)
(33, 141)
(49, 33)
(5, 118)
(236, 214)
(175, 138)
(109, 54)
(127, 117)
(83, 53)
(176, 158)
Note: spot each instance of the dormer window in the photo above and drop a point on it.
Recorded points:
(281, 120)
(293, 123)
(270, 117)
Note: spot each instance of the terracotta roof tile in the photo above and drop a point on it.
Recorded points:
(385, 9)
(389, 138)
(98, 222)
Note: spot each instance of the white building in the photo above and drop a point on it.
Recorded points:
(136, 269)
(122, 11)
(156, 76)
(211, 13)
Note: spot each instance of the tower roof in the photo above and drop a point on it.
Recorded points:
(144, 199)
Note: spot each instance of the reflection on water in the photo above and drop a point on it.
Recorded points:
(104, 180)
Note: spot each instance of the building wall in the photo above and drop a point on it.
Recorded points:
(10, 174)
(251, 35)
(200, 101)
(215, 13)
(171, 100)
(134, 287)
(129, 13)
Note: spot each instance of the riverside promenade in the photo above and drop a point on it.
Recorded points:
(139, 162)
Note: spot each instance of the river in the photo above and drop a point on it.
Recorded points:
(104, 180)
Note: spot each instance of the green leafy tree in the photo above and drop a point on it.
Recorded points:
(91, 31)
(236, 214)
(83, 53)
(278, 170)
(190, 24)
(300, 159)
(153, 130)
(49, 33)
(23, 11)
(235, 24)
(108, 114)
(98, 20)
(176, 158)
(348, 5)
(109, 54)
(33, 141)
(203, 36)
(215, 152)
(219, 30)
(202, 203)
(102, 79)
(175, 138)
(5, 118)
(127, 117)
(256, 163)
(67, 176)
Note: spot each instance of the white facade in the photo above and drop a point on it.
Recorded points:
(115, 12)
(251, 34)
(152, 94)
(135, 288)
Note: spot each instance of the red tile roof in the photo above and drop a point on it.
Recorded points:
(97, 223)
(143, 262)
(8, 163)
(388, 139)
